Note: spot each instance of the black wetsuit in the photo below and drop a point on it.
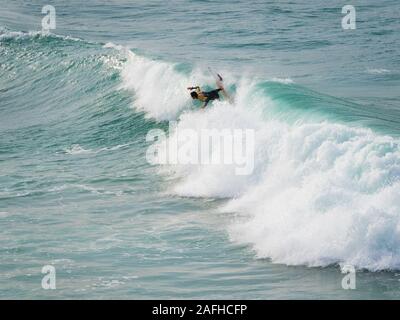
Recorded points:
(211, 95)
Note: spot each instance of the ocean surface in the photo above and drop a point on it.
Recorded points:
(77, 193)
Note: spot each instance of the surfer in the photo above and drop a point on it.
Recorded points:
(197, 94)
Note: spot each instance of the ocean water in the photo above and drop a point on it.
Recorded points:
(77, 193)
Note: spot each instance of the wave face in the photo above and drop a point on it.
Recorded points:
(325, 185)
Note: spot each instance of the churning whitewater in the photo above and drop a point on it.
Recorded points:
(321, 193)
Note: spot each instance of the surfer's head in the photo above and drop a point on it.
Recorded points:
(194, 95)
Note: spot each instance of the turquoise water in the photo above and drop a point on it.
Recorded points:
(76, 191)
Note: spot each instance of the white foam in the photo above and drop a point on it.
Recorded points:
(328, 196)
(111, 45)
(6, 34)
(87, 188)
(283, 80)
(76, 149)
(320, 193)
(159, 90)
(378, 71)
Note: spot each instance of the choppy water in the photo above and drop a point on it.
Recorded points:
(76, 191)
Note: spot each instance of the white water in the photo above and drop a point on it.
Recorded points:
(321, 193)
